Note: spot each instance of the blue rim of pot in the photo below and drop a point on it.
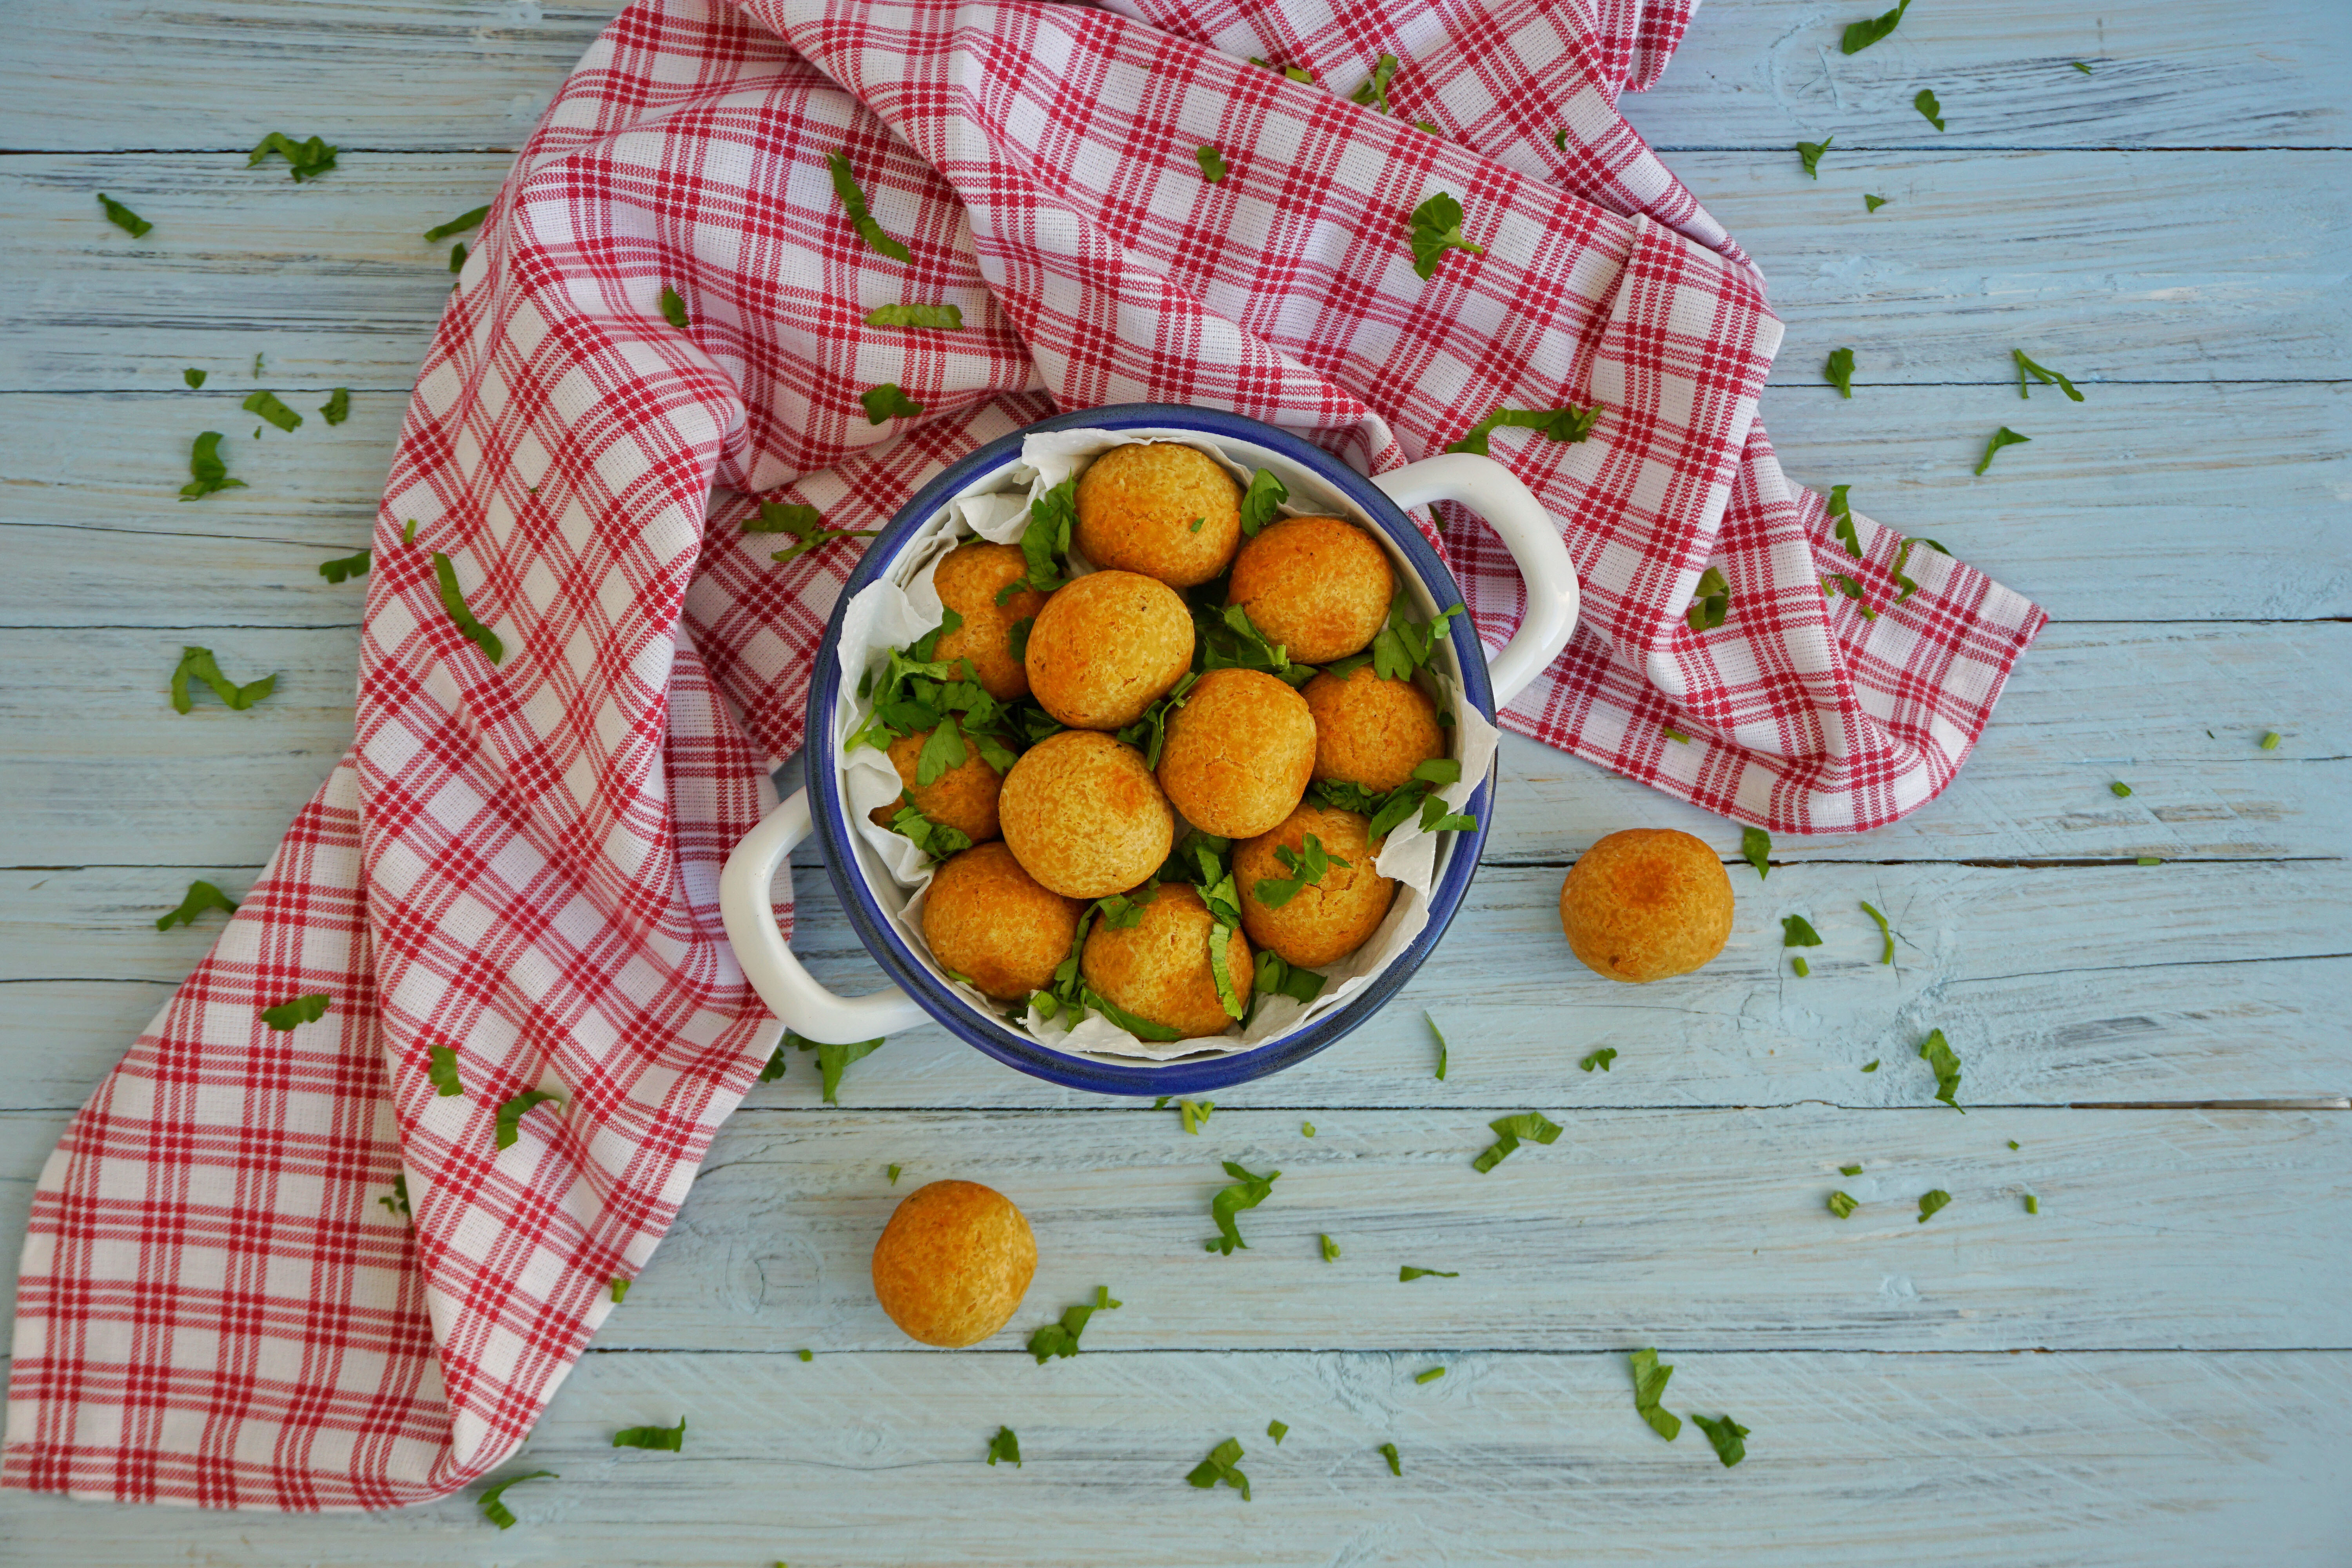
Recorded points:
(998, 1040)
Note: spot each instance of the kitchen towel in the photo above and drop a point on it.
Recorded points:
(344, 1258)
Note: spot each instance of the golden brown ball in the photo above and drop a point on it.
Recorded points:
(1372, 731)
(1167, 510)
(1327, 919)
(1239, 753)
(1646, 903)
(1107, 646)
(1318, 585)
(992, 923)
(954, 1263)
(963, 797)
(1084, 815)
(1159, 969)
(969, 578)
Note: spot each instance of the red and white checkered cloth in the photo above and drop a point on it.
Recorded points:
(517, 862)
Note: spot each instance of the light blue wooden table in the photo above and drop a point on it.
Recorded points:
(2157, 1368)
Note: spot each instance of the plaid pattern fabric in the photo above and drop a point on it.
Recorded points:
(512, 875)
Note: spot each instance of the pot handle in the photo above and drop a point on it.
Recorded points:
(1531, 535)
(790, 990)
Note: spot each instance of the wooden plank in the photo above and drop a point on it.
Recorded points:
(2111, 265)
(98, 771)
(2099, 520)
(2157, 1229)
(2056, 986)
(1758, 74)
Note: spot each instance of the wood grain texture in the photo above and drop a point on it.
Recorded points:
(2111, 265)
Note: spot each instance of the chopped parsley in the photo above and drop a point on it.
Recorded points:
(1849, 1170)
(1194, 1115)
(1568, 424)
(1599, 1059)
(1388, 1451)
(803, 523)
(1649, 1387)
(805, 1355)
(207, 472)
(122, 218)
(1560, 138)
(853, 201)
(1796, 931)
(1725, 1435)
(2119, 789)
(1841, 1206)
(1062, 1339)
(1219, 1467)
(1811, 153)
(1674, 734)
(1307, 1130)
(1278, 1430)
(1431, 1375)
(2033, 1204)
(1929, 109)
(1756, 848)
(1246, 1193)
(2148, 860)
(1508, 1130)
(395, 1201)
(1440, 1037)
(197, 664)
(1885, 934)
(1148, 734)
(408, 532)
(202, 896)
(1005, 1445)
(453, 600)
(1871, 204)
(892, 1171)
(1860, 36)
(194, 378)
(1434, 228)
(1931, 1202)
(494, 1508)
(775, 1068)
(457, 259)
(1330, 1249)
(1212, 163)
(1296, 73)
(1306, 870)
(667, 1439)
(620, 1290)
(1870, 1066)
(1852, 590)
(459, 224)
(832, 1061)
(1407, 1275)
(267, 405)
(1947, 1065)
(511, 1114)
(304, 160)
(673, 309)
(1406, 645)
(1375, 91)
(2270, 742)
(296, 1011)
(2012, 1143)
(2042, 374)
(1276, 976)
(936, 318)
(443, 1070)
(1839, 371)
(2080, 67)
(338, 406)
(1844, 513)
(1800, 966)
(1259, 503)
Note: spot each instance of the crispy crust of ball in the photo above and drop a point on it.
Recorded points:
(1239, 753)
(963, 797)
(1372, 731)
(1329, 919)
(990, 921)
(1318, 585)
(968, 579)
(954, 1263)
(1107, 646)
(1644, 904)
(1158, 968)
(1084, 815)
(1136, 505)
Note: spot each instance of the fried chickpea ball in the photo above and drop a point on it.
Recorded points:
(1239, 753)
(1107, 646)
(963, 797)
(1369, 731)
(1325, 921)
(1158, 968)
(990, 922)
(1644, 904)
(954, 1263)
(1318, 585)
(969, 578)
(1083, 815)
(1168, 511)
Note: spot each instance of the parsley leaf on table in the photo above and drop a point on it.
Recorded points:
(122, 218)
(1435, 227)
(442, 1072)
(934, 318)
(1246, 1193)
(1841, 1206)
(1725, 1435)
(1756, 848)
(202, 896)
(1839, 371)
(511, 1114)
(194, 378)
(1932, 1202)
(1871, 204)
(832, 1061)
(1885, 933)
(1796, 931)
(338, 406)
(297, 1011)
(1061, 1339)
(1649, 1387)
(459, 224)
(1568, 424)
(667, 1439)
(1442, 1049)
(197, 664)
(1811, 153)
(1388, 1451)
(1408, 1274)
(1929, 109)
(208, 472)
(1005, 1445)
(1940, 1055)
(453, 601)
(1330, 1249)
(1212, 161)
(1431, 1375)
(853, 201)
(1219, 1467)
(495, 1510)
(1846, 533)
(2042, 374)
(1278, 1430)
(1599, 1059)
(267, 405)
(306, 160)
(1860, 36)
(1508, 1130)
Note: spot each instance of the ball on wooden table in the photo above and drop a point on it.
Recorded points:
(1646, 904)
(1159, 968)
(962, 797)
(992, 923)
(1083, 815)
(1107, 646)
(954, 1263)
(1323, 921)
(1239, 753)
(1165, 509)
(1320, 586)
(968, 581)
(1369, 731)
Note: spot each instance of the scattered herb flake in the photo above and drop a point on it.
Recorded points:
(453, 600)
(1885, 933)
(667, 1439)
(2042, 374)
(1212, 163)
(806, 1355)
(495, 1510)
(1844, 513)
(775, 1068)
(2012, 1143)
(1811, 151)
(673, 309)
(1870, 1066)
(1674, 734)
(1725, 1435)
(1195, 1116)
(1307, 1129)
(443, 1071)
(408, 532)
(1649, 1387)
(1839, 372)
(1756, 848)
(1434, 228)
(1568, 424)
(1259, 503)
(510, 1114)
(1873, 203)
(193, 377)
(1840, 1204)
(459, 224)
(304, 160)
(296, 1011)
(1929, 109)
(1599, 1059)
(267, 405)
(208, 472)
(1246, 1193)
(202, 896)
(1509, 1129)
(197, 664)
(2270, 742)
(885, 403)
(1431, 1375)
(1560, 138)
(2033, 1204)
(1388, 1451)
(1849, 1170)
(1931, 1201)
(620, 1290)
(1796, 931)
(1375, 91)
(1440, 1035)
(1278, 1430)
(395, 1201)
(1296, 73)
(2148, 860)
(2120, 790)
(832, 1061)
(1860, 36)
(1219, 1467)
(1330, 1249)
(1947, 1065)
(853, 201)
(1005, 1445)
(1306, 868)
(122, 218)
(1801, 967)
(338, 406)
(936, 318)
(458, 256)
(1407, 1275)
